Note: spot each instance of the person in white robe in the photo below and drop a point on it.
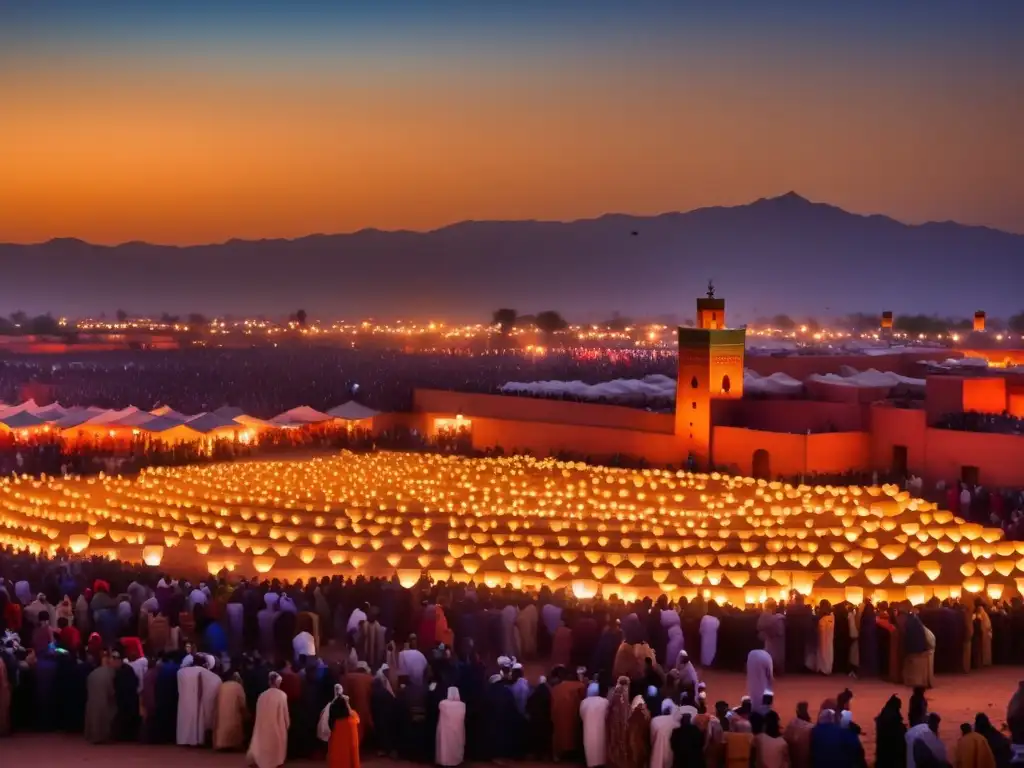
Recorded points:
(269, 745)
(662, 727)
(708, 639)
(303, 644)
(759, 676)
(188, 733)
(594, 714)
(451, 731)
(412, 663)
(509, 631)
(209, 687)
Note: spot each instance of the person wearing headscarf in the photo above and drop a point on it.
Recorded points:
(917, 709)
(625, 664)
(770, 749)
(972, 750)
(594, 714)
(687, 745)
(662, 728)
(760, 677)
(999, 744)
(232, 714)
(688, 681)
(918, 653)
(209, 686)
(189, 701)
(890, 736)
(738, 742)
(798, 737)
(567, 693)
(867, 641)
(638, 734)
(924, 747)
(269, 744)
(450, 743)
(411, 661)
(833, 746)
(526, 623)
(538, 720)
(358, 684)
(342, 731)
(826, 639)
(618, 725)
(101, 704)
(709, 624)
(771, 631)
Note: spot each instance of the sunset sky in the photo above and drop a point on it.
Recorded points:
(197, 121)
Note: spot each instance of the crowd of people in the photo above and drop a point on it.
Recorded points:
(435, 673)
(197, 380)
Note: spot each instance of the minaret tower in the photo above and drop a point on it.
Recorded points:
(710, 368)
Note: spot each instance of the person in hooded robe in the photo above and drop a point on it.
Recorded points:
(868, 642)
(638, 734)
(917, 655)
(232, 713)
(538, 720)
(826, 639)
(126, 693)
(798, 737)
(662, 728)
(594, 715)
(1002, 754)
(618, 725)
(343, 727)
(189, 701)
(891, 735)
(771, 631)
(674, 641)
(526, 623)
(709, 624)
(450, 741)
(770, 749)
(625, 664)
(972, 750)
(760, 677)
(504, 723)
(358, 684)
(268, 747)
(688, 681)
(101, 704)
(687, 745)
(209, 687)
(567, 692)
(165, 712)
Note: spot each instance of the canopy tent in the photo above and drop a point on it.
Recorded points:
(229, 412)
(213, 425)
(352, 411)
(170, 413)
(301, 416)
(20, 420)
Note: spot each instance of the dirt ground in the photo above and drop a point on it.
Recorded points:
(956, 698)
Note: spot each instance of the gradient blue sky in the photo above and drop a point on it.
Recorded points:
(196, 121)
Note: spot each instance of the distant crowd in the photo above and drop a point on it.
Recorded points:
(435, 674)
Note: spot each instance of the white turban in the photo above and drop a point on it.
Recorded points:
(504, 661)
(593, 689)
(667, 706)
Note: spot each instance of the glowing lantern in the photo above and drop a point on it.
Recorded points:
(152, 555)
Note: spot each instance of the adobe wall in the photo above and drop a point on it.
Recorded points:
(802, 366)
(891, 426)
(545, 439)
(838, 452)
(535, 409)
(733, 449)
(786, 415)
(999, 458)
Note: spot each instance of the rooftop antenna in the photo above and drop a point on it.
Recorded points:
(711, 289)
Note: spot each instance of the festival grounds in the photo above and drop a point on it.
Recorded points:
(958, 698)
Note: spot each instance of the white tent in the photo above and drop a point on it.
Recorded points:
(352, 411)
(300, 416)
(170, 413)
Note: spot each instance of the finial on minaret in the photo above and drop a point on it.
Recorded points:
(711, 289)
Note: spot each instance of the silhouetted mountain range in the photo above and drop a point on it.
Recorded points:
(781, 254)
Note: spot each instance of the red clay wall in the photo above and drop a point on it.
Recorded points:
(838, 452)
(891, 426)
(791, 415)
(534, 409)
(987, 395)
(999, 458)
(943, 395)
(733, 448)
(543, 439)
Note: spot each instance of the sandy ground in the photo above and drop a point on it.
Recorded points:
(956, 698)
